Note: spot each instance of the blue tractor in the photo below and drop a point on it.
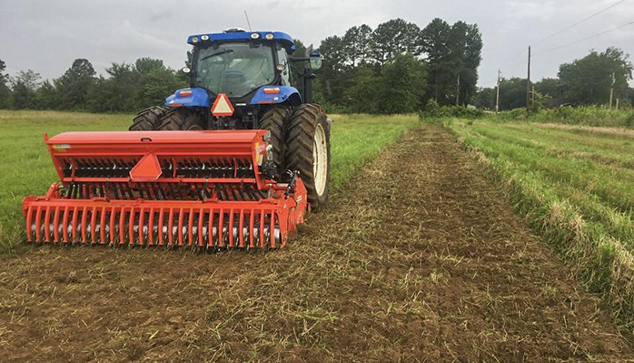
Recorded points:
(242, 80)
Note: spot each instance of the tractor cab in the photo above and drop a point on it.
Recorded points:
(250, 68)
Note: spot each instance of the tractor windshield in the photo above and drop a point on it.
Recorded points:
(234, 68)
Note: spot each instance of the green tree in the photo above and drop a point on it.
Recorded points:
(362, 95)
(395, 37)
(333, 76)
(485, 98)
(403, 83)
(156, 81)
(435, 45)
(512, 93)
(588, 80)
(454, 55)
(357, 43)
(72, 87)
(549, 87)
(5, 92)
(119, 92)
(23, 87)
(47, 97)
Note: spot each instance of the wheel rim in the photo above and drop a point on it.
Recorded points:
(320, 160)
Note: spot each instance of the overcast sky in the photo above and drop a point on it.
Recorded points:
(47, 36)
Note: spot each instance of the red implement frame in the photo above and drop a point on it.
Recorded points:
(186, 188)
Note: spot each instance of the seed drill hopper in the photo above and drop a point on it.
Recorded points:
(204, 189)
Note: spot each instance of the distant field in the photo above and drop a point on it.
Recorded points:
(27, 169)
(576, 186)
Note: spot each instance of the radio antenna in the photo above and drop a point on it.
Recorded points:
(248, 22)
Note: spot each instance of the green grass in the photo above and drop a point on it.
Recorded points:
(575, 187)
(27, 168)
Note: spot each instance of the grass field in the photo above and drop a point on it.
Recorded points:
(576, 186)
(27, 169)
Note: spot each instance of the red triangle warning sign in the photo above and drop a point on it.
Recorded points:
(222, 106)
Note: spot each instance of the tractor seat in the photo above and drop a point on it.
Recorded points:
(235, 83)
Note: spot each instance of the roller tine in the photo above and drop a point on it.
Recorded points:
(29, 218)
(113, 215)
(241, 227)
(170, 225)
(84, 218)
(221, 217)
(181, 216)
(131, 227)
(81, 187)
(122, 226)
(75, 217)
(102, 225)
(262, 228)
(141, 220)
(251, 228)
(201, 216)
(65, 224)
(150, 228)
(210, 229)
(190, 228)
(38, 224)
(272, 230)
(47, 221)
(93, 224)
(160, 226)
(231, 217)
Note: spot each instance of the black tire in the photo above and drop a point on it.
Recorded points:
(300, 141)
(148, 119)
(176, 119)
(275, 120)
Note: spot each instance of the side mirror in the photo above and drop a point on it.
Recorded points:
(315, 61)
(186, 70)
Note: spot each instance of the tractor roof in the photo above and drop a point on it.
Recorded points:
(228, 36)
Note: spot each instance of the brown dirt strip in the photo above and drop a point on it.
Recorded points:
(419, 259)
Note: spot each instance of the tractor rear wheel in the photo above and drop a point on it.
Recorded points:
(182, 119)
(308, 150)
(148, 119)
(275, 120)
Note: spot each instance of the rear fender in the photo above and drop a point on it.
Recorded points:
(286, 94)
(188, 97)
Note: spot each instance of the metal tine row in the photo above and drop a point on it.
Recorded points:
(219, 167)
(211, 230)
(164, 191)
(99, 167)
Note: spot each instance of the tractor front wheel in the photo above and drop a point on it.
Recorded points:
(148, 119)
(308, 150)
(182, 119)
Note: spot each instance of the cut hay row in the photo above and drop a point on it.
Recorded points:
(582, 207)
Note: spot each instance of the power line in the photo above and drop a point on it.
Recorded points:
(579, 22)
(584, 39)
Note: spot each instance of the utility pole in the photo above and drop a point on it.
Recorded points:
(612, 89)
(528, 82)
(458, 91)
(497, 98)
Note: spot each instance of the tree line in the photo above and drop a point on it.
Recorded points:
(396, 67)
(585, 81)
(127, 87)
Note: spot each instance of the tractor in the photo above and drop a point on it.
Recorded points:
(234, 161)
(249, 74)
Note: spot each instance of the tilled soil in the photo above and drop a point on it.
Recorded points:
(418, 259)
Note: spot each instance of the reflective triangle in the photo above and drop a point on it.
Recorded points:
(222, 106)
